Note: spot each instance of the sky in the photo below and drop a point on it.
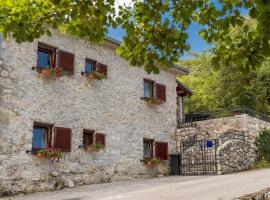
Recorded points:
(197, 44)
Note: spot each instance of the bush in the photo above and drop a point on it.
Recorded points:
(262, 164)
(263, 144)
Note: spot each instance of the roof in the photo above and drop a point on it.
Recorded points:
(184, 88)
(111, 42)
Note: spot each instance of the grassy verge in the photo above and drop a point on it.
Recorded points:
(262, 164)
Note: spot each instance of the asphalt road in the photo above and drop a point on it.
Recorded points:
(222, 187)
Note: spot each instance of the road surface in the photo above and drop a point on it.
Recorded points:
(222, 187)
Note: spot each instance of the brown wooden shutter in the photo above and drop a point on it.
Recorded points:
(161, 150)
(100, 139)
(101, 68)
(62, 139)
(160, 91)
(66, 61)
(90, 138)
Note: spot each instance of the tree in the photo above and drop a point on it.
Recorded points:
(225, 88)
(156, 30)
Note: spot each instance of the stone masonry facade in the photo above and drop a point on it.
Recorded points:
(112, 106)
(236, 135)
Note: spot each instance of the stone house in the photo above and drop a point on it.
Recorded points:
(51, 96)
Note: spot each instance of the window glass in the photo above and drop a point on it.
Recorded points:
(88, 67)
(148, 89)
(147, 149)
(39, 138)
(87, 137)
(43, 59)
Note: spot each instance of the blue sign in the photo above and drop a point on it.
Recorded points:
(209, 143)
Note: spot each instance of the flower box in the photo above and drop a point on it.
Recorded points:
(50, 153)
(94, 148)
(153, 162)
(94, 75)
(40, 155)
(152, 100)
(50, 72)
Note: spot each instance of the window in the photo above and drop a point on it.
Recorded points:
(41, 136)
(148, 88)
(45, 135)
(152, 89)
(88, 137)
(46, 56)
(90, 65)
(147, 148)
(156, 149)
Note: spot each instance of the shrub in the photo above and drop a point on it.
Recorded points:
(263, 144)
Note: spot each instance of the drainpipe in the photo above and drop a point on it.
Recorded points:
(1, 38)
(181, 109)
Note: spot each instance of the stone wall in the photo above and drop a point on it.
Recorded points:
(236, 152)
(112, 106)
(261, 195)
(236, 136)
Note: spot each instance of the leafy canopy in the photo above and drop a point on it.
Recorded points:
(156, 30)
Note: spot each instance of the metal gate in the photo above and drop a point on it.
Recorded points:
(198, 157)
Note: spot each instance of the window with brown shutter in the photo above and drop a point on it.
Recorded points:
(160, 91)
(154, 93)
(101, 68)
(62, 139)
(66, 61)
(100, 139)
(161, 150)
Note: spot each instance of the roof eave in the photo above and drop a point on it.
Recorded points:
(113, 43)
(188, 91)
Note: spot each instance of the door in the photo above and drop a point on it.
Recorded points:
(175, 164)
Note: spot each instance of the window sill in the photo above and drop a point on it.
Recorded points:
(152, 100)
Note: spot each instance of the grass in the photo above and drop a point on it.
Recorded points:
(262, 164)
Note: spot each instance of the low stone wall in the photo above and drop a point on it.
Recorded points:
(236, 135)
(261, 195)
(235, 153)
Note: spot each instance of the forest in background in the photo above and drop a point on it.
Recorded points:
(226, 87)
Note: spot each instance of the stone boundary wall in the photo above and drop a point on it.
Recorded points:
(261, 195)
(234, 153)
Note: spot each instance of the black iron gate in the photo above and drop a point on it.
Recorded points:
(198, 157)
